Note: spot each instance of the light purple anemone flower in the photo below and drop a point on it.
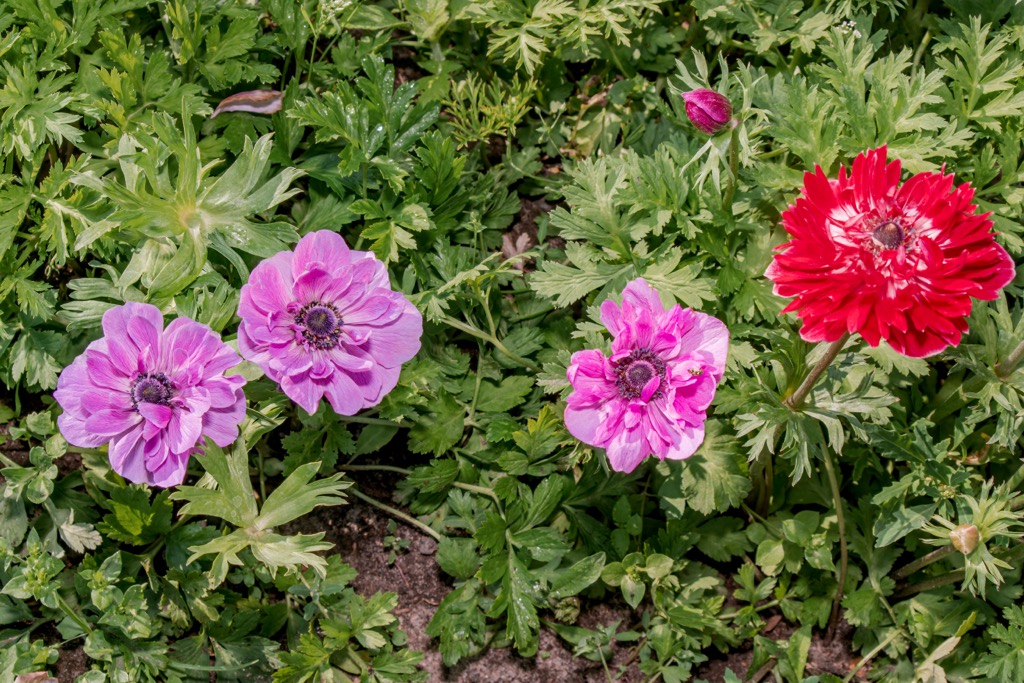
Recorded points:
(151, 393)
(324, 321)
(651, 396)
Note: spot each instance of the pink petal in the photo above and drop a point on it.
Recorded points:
(323, 249)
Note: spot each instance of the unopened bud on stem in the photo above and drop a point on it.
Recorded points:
(710, 111)
(965, 538)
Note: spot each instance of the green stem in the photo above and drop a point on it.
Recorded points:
(476, 394)
(482, 490)
(484, 298)
(922, 562)
(895, 633)
(921, 48)
(263, 479)
(358, 419)
(480, 334)
(604, 663)
(734, 162)
(757, 608)
(772, 154)
(837, 498)
(408, 519)
(952, 577)
(378, 468)
(73, 615)
(530, 316)
(796, 399)
(1006, 367)
(1012, 483)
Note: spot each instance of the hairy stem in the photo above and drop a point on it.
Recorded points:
(358, 419)
(923, 561)
(73, 615)
(796, 399)
(734, 162)
(480, 334)
(952, 577)
(830, 470)
(893, 635)
(398, 514)
(1009, 364)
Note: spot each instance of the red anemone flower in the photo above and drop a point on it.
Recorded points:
(889, 261)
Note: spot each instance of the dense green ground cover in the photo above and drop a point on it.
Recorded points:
(514, 163)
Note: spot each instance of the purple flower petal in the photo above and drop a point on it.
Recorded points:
(303, 390)
(147, 392)
(651, 396)
(320, 249)
(328, 326)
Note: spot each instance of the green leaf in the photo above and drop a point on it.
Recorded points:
(232, 499)
(435, 477)
(296, 496)
(441, 428)
(458, 557)
(504, 397)
(133, 518)
(519, 594)
(901, 522)
(546, 498)
(579, 576)
(322, 438)
(633, 590)
(711, 480)
(1004, 660)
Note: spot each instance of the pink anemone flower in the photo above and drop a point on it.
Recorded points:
(323, 321)
(151, 393)
(651, 396)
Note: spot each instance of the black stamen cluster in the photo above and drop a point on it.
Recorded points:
(151, 387)
(320, 331)
(628, 380)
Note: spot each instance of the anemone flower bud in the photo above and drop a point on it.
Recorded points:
(710, 111)
(965, 538)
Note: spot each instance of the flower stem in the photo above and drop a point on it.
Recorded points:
(922, 562)
(1009, 364)
(604, 663)
(796, 399)
(830, 470)
(952, 577)
(480, 334)
(378, 468)
(408, 519)
(73, 615)
(734, 159)
(473, 488)
(358, 419)
(895, 633)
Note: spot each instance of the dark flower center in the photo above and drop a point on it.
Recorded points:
(151, 387)
(888, 234)
(322, 322)
(634, 372)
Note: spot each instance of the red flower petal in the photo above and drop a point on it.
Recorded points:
(885, 260)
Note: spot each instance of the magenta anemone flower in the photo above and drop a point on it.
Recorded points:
(323, 321)
(151, 393)
(651, 396)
